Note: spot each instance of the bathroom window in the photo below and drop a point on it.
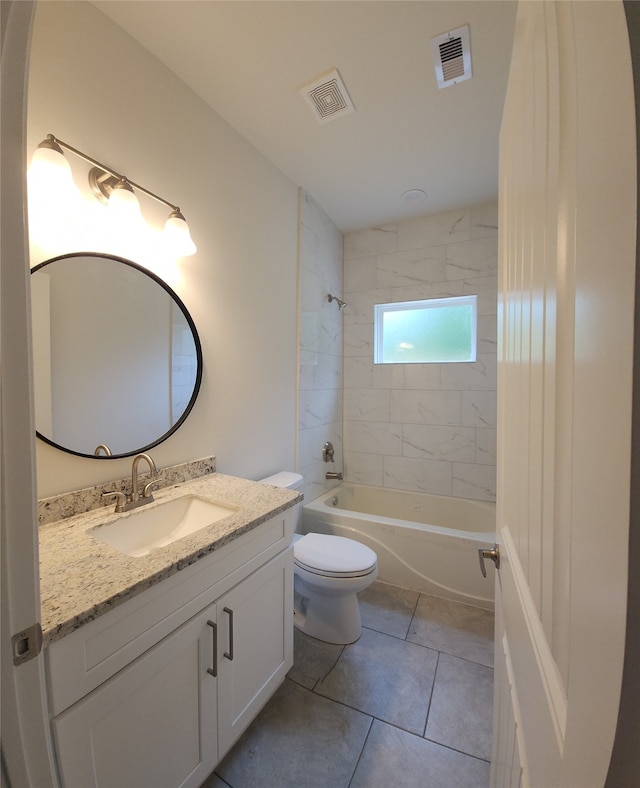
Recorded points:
(435, 331)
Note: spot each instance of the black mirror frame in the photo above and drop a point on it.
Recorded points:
(196, 339)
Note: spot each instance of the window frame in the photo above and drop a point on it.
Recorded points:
(418, 305)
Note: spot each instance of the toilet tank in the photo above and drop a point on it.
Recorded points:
(291, 481)
(288, 479)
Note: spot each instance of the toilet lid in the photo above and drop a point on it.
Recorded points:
(334, 555)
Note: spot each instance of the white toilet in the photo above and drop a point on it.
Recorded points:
(329, 572)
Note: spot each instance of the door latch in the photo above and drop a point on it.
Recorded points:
(494, 555)
(26, 644)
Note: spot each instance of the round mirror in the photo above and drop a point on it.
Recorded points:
(117, 358)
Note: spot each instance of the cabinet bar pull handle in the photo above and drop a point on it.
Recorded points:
(229, 654)
(214, 633)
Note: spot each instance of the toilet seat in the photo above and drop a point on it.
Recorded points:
(333, 556)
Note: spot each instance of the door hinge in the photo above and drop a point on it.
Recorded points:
(26, 644)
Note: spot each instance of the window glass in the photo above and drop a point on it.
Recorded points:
(438, 330)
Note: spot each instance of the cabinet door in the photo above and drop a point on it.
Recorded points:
(153, 724)
(255, 645)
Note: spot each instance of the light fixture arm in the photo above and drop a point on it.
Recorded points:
(98, 180)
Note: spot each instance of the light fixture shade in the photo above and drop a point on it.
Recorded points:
(56, 206)
(176, 235)
(123, 203)
(50, 172)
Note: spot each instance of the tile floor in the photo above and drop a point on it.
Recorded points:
(409, 705)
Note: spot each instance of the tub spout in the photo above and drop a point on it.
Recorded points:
(333, 475)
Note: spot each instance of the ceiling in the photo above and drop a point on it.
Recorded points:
(248, 58)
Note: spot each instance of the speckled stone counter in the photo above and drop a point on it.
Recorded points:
(58, 507)
(81, 578)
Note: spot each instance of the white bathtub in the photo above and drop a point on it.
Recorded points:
(428, 543)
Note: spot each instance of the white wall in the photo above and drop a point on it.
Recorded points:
(94, 87)
(321, 337)
(422, 427)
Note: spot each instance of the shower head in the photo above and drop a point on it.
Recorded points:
(341, 304)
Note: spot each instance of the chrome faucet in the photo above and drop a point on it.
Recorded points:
(146, 490)
(123, 502)
(333, 475)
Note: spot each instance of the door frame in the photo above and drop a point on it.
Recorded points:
(27, 753)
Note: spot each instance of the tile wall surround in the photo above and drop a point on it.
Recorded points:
(59, 507)
(422, 427)
(320, 347)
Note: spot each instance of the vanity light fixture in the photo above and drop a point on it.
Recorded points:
(111, 188)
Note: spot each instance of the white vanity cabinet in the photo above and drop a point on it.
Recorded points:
(156, 691)
(152, 724)
(255, 646)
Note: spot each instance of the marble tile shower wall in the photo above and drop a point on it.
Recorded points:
(422, 427)
(321, 339)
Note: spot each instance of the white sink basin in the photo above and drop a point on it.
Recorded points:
(143, 529)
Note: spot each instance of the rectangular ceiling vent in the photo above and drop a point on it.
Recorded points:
(327, 96)
(452, 57)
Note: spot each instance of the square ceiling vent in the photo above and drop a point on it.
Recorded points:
(452, 57)
(327, 96)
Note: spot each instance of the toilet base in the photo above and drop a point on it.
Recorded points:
(332, 619)
(327, 622)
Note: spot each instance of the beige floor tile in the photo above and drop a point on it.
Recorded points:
(393, 758)
(461, 630)
(387, 609)
(385, 677)
(461, 712)
(312, 659)
(299, 740)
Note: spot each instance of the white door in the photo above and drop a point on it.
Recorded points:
(567, 257)
(26, 747)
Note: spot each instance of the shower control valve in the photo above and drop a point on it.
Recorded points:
(328, 452)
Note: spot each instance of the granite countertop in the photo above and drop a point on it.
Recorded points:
(81, 578)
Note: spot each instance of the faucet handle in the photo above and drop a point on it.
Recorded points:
(146, 490)
(328, 452)
(121, 499)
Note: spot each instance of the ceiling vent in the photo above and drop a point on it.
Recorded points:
(327, 96)
(452, 56)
